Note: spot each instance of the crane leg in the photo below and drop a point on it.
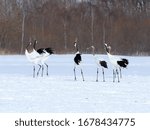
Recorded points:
(97, 76)
(74, 73)
(39, 69)
(42, 70)
(114, 75)
(103, 74)
(33, 71)
(120, 73)
(117, 74)
(82, 74)
(47, 69)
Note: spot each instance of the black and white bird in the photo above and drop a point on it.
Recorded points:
(100, 64)
(48, 52)
(33, 57)
(77, 61)
(117, 63)
(44, 53)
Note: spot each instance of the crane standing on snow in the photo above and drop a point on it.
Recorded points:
(33, 57)
(117, 63)
(100, 63)
(77, 60)
(45, 53)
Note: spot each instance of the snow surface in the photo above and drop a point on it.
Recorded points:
(20, 92)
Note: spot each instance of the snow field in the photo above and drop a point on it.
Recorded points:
(60, 93)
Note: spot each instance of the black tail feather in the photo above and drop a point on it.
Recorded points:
(104, 64)
(49, 50)
(41, 51)
(77, 59)
(125, 61)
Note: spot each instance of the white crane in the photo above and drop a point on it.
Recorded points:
(77, 60)
(100, 63)
(117, 63)
(32, 57)
(44, 53)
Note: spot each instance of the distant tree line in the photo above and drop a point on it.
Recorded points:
(124, 24)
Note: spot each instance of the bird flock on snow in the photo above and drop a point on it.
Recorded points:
(38, 57)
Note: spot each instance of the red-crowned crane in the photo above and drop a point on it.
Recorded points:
(117, 62)
(32, 57)
(100, 64)
(44, 53)
(77, 60)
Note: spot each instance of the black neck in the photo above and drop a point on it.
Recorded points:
(77, 48)
(106, 48)
(34, 44)
(27, 46)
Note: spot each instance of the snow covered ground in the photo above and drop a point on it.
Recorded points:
(20, 92)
